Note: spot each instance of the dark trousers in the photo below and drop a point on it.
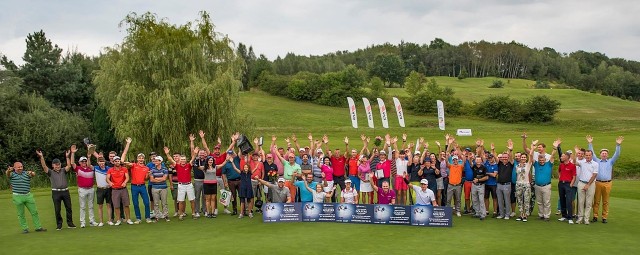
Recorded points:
(339, 181)
(443, 200)
(233, 187)
(566, 196)
(58, 198)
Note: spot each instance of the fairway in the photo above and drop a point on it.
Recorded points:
(229, 235)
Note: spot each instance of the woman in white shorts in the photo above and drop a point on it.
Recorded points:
(366, 190)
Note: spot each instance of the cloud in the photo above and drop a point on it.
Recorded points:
(317, 27)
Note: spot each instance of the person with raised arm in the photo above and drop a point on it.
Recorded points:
(566, 178)
(220, 157)
(504, 176)
(523, 185)
(185, 187)
(139, 173)
(604, 178)
(424, 195)
(85, 178)
(386, 196)
(59, 188)
(117, 178)
(455, 173)
(290, 170)
(401, 167)
(542, 179)
(158, 176)
(20, 185)
(280, 193)
(318, 191)
(245, 190)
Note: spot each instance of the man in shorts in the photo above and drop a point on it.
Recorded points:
(117, 178)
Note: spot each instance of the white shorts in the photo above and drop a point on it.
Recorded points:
(328, 188)
(186, 190)
(440, 183)
(365, 186)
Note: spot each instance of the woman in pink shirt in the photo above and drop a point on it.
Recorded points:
(366, 190)
(327, 170)
(385, 166)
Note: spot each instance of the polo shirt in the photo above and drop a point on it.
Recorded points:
(279, 195)
(221, 157)
(455, 174)
(118, 175)
(159, 173)
(139, 173)
(290, 169)
(305, 195)
(423, 197)
(587, 169)
(386, 167)
(20, 182)
(385, 198)
(401, 166)
(101, 176)
(491, 168)
(514, 176)
(505, 172)
(58, 179)
(605, 170)
(413, 172)
(479, 172)
(338, 165)
(85, 176)
(229, 171)
(315, 169)
(197, 162)
(468, 172)
(306, 167)
(429, 174)
(253, 165)
(567, 171)
(353, 165)
(328, 172)
(542, 173)
(183, 172)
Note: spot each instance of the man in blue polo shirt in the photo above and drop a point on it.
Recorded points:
(543, 168)
(468, 177)
(305, 194)
(491, 186)
(231, 178)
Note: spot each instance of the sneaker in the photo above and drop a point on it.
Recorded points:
(571, 222)
(595, 219)
(131, 222)
(181, 217)
(110, 223)
(251, 215)
(41, 229)
(562, 219)
(215, 212)
(499, 217)
(197, 215)
(149, 220)
(175, 214)
(82, 225)
(93, 224)
(118, 223)
(513, 214)
(100, 224)
(481, 218)
(604, 221)
(458, 214)
(26, 231)
(541, 218)
(227, 211)
(524, 220)
(71, 225)
(58, 228)
(136, 222)
(167, 219)
(235, 212)
(240, 216)
(506, 218)
(519, 219)
(215, 215)
(558, 212)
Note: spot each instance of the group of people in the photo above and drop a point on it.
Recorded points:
(384, 173)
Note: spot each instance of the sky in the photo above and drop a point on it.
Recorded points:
(275, 28)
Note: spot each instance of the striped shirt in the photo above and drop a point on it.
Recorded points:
(20, 182)
(158, 173)
(101, 176)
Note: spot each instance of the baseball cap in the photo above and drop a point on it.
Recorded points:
(153, 153)
(255, 153)
(467, 149)
(116, 158)
(417, 152)
(217, 146)
(426, 160)
(454, 157)
(55, 161)
(347, 180)
(280, 179)
(83, 158)
(269, 156)
(601, 150)
(301, 150)
(490, 155)
(319, 150)
(140, 154)
(424, 181)
(383, 152)
(159, 158)
(230, 152)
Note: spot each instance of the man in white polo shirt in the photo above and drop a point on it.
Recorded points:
(424, 196)
(586, 190)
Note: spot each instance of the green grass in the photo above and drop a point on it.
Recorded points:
(229, 235)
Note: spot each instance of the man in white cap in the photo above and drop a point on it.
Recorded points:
(424, 196)
(280, 193)
(85, 178)
(315, 169)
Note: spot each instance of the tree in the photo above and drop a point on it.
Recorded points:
(165, 81)
(425, 101)
(249, 59)
(41, 61)
(540, 109)
(463, 74)
(414, 83)
(376, 85)
(389, 68)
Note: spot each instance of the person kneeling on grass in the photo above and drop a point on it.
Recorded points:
(245, 192)
(319, 193)
(424, 196)
(386, 196)
(280, 193)
(349, 194)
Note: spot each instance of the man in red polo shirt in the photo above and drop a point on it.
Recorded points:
(117, 177)
(567, 172)
(219, 158)
(185, 187)
(338, 161)
(139, 176)
(85, 175)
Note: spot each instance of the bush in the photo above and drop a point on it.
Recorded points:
(541, 85)
(502, 108)
(497, 84)
(540, 109)
(463, 74)
(425, 101)
(273, 84)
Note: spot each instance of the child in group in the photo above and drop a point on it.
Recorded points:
(245, 192)
(319, 193)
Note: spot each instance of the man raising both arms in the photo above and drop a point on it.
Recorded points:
(603, 180)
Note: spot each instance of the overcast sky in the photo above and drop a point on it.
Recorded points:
(316, 27)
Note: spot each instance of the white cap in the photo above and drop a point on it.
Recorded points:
(116, 158)
(159, 158)
(424, 181)
(83, 158)
(347, 180)
(280, 179)
(301, 149)
(319, 150)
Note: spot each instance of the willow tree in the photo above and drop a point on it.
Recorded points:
(165, 81)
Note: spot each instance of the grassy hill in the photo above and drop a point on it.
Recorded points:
(581, 113)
